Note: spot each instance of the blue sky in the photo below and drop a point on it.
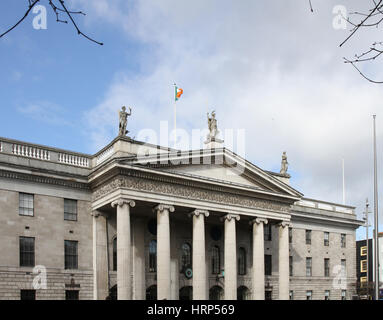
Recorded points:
(270, 68)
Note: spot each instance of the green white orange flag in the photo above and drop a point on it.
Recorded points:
(178, 93)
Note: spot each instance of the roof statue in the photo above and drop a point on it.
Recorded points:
(284, 164)
(212, 140)
(123, 116)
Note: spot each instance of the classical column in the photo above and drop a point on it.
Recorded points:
(100, 257)
(284, 261)
(139, 291)
(163, 251)
(174, 265)
(124, 263)
(258, 272)
(230, 257)
(199, 253)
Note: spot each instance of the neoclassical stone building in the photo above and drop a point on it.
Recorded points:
(139, 221)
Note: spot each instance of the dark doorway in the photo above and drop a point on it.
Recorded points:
(186, 293)
(151, 293)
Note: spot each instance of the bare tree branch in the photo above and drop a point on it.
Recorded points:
(30, 7)
(57, 10)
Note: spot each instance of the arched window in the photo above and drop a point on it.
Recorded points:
(153, 256)
(215, 260)
(241, 261)
(243, 293)
(115, 254)
(186, 259)
(216, 293)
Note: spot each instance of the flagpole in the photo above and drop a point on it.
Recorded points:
(376, 252)
(344, 191)
(175, 124)
(175, 116)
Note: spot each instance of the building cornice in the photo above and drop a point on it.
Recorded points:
(44, 179)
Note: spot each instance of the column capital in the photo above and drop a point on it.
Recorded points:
(161, 207)
(259, 221)
(122, 201)
(284, 224)
(96, 214)
(198, 212)
(230, 216)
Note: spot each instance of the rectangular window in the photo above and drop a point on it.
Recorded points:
(363, 280)
(309, 295)
(326, 267)
(308, 267)
(308, 236)
(327, 294)
(363, 251)
(326, 239)
(291, 272)
(290, 235)
(343, 294)
(268, 265)
(343, 240)
(343, 264)
(27, 251)
(71, 257)
(267, 232)
(25, 204)
(363, 266)
(70, 210)
(71, 294)
(291, 295)
(27, 294)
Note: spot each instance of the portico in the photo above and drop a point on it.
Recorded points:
(166, 196)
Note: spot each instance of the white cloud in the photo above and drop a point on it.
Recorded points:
(270, 68)
(44, 111)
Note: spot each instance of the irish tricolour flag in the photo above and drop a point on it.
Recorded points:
(178, 93)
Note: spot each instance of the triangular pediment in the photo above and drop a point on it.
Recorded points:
(215, 172)
(220, 166)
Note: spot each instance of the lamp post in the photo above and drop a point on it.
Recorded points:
(367, 250)
(376, 251)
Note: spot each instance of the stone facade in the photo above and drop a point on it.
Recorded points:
(98, 181)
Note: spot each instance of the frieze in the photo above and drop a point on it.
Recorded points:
(166, 188)
(43, 179)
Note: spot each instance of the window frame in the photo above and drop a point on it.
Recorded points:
(153, 256)
(309, 266)
(363, 251)
(309, 294)
(27, 257)
(326, 267)
(242, 263)
(68, 292)
(68, 214)
(186, 256)
(267, 232)
(343, 242)
(70, 258)
(268, 264)
(308, 237)
(326, 238)
(215, 260)
(23, 201)
(363, 265)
